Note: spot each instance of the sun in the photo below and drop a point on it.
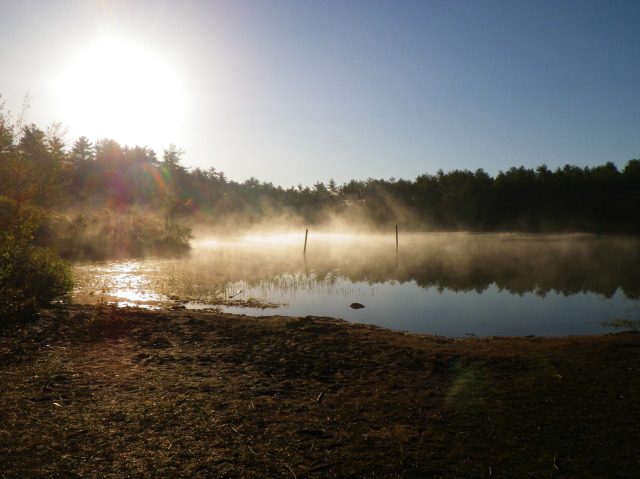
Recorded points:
(123, 90)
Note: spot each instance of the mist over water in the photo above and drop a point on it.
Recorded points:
(439, 283)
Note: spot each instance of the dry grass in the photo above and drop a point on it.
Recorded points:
(105, 392)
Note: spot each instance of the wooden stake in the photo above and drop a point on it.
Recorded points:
(397, 254)
(306, 233)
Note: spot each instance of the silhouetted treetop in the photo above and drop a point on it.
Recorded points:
(600, 198)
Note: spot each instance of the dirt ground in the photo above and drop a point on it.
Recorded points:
(105, 392)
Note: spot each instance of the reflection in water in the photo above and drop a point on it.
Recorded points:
(438, 283)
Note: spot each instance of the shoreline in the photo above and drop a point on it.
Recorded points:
(110, 392)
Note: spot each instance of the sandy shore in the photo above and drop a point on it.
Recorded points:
(104, 392)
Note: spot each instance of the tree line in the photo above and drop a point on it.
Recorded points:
(109, 177)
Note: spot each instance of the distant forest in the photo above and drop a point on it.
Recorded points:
(145, 199)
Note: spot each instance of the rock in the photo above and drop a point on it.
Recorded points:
(357, 306)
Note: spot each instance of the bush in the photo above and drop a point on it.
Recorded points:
(30, 276)
(108, 235)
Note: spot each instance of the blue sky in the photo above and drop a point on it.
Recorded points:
(295, 92)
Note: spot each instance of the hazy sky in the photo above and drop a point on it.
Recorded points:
(298, 91)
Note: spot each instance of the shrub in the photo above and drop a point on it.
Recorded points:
(30, 276)
(108, 235)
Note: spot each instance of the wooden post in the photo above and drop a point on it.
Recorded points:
(396, 238)
(397, 254)
(306, 233)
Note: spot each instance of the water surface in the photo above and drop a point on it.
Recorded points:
(445, 284)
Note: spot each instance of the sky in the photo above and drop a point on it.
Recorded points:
(294, 92)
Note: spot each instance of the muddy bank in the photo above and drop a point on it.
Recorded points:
(105, 392)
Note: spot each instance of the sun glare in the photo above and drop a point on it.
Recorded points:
(119, 89)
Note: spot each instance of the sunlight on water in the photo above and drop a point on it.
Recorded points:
(273, 239)
(206, 243)
(449, 284)
(288, 239)
(125, 283)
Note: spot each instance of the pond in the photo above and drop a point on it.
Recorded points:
(450, 284)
